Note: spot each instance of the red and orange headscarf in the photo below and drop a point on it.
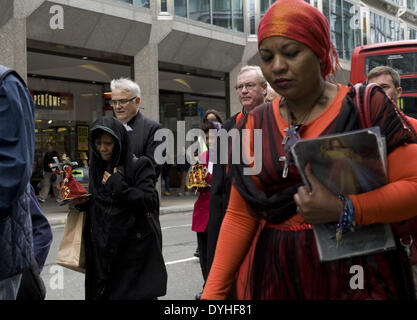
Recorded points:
(299, 21)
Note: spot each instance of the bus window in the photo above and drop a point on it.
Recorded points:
(408, 105)
(404, 63)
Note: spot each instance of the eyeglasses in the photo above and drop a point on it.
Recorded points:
(249, 86)
(122, 102)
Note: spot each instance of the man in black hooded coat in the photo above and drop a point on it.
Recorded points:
(123, 257)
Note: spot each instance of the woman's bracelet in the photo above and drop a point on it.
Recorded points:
(346, 219)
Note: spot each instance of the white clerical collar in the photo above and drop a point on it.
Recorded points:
(128, 128)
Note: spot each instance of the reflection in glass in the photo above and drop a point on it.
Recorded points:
(142, 3)
(336, 26)
(351, 28)
(222, 13)
(164, 7)
(326, 9)
(403, 63)
(252, 17)
(238, 15)
(180, 8)
(264, 6)
(200, 10)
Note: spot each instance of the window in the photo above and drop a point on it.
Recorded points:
(238, 15)
(180, 8)
(222, 13)
(336, 26)
(404, 63)
(200, 10)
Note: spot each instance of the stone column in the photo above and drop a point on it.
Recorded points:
(13, 46)
(146, 75)
(13, 14)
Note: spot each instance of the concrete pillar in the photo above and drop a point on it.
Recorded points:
(13, 46)
(13, 14)
(146, 75)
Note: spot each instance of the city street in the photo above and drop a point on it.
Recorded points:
(179, 244)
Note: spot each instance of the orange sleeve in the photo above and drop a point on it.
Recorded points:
(235, 238)
(395, 201)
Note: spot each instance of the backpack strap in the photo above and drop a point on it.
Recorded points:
(363, 103)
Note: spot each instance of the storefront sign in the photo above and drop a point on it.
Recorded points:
(53, 100)
(82, 138)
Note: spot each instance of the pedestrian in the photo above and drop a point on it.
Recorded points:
(125, 100)
(201, 206)
(389, 80)
(212, 115)
(250, 89)
(50, 177)
(182, 170)
(266, 241)
(123, 256)
(166, 176)
(17, 144)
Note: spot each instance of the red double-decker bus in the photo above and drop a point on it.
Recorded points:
(399, 55)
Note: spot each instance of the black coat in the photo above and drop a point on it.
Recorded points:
(219, 199)
(123, 256)
(141, 138)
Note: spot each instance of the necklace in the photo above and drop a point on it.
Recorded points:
(292, 135)
(291, 118)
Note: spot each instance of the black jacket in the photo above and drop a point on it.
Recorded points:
(219, 199)
(123, 257)
(141, 138)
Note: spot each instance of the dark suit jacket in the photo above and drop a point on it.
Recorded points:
(219, 199)
(141, 138)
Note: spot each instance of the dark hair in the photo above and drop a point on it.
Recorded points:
(216, 113)
(207, 125)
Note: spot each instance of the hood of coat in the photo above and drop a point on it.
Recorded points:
(116, 129)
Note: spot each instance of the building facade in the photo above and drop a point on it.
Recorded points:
(185, 54)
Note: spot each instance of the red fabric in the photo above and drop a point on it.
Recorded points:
(201, 206)
(298, 20)
(71, 188)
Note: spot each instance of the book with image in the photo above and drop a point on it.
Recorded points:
(347, 163)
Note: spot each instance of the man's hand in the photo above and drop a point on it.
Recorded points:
(319, 205)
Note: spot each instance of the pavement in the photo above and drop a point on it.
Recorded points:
(57, 214)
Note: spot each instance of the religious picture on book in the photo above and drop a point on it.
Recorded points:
(348, 163)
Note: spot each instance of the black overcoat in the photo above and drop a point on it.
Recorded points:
(123, 256)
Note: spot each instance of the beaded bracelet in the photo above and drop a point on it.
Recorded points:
(346, 219)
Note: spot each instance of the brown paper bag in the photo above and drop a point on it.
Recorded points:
(71, 252)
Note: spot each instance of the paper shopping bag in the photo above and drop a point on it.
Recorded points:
(71, 252)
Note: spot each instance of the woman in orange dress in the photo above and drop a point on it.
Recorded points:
(266, 247)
